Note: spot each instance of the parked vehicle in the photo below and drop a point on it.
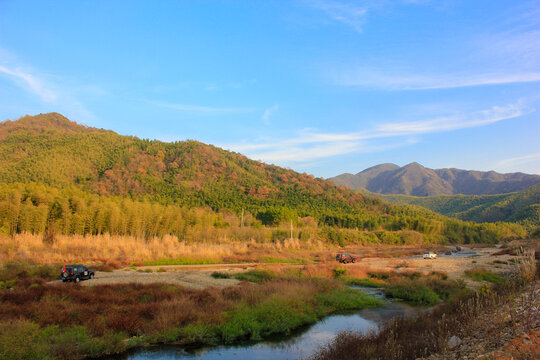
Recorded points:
(430, 255)
(345, 258)
(448, 252)
(76, 273)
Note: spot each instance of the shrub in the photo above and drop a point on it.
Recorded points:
(220, 275)
(339, 272)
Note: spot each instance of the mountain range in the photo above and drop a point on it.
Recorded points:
(417, 180)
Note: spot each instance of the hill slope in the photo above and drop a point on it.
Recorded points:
(55, 171)
(416, 180)
(522, 207)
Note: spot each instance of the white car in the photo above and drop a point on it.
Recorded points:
(430, 255)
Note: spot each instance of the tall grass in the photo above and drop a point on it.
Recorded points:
(166, 250)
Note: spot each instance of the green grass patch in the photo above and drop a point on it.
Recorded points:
(274, 260)
(346, 299)
(366, 282)
(181, 261)
(484, 275)
(412, 292)
(276, 315)
(256, 276)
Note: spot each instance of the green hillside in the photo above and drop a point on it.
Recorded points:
(521, 207)
(55, 171)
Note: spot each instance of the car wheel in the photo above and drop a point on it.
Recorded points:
(91, 276)
(77, 279)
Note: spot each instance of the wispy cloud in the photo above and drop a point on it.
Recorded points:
(455, 122)
(517, 162)
(30, 82)
(202, 109)
(50, 92)
(268, 112)
(310, 145)
(364, 77)
(351, 14)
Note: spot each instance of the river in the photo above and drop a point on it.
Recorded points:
(300, 344)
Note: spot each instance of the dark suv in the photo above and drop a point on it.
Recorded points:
(76, 273)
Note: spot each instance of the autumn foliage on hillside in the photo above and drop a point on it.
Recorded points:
(81, 180)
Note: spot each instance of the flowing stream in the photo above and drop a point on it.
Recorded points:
(300, 344)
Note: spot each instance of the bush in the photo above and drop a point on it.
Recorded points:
(339, 272)
(220, 275)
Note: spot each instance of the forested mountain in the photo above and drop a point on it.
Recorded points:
(57, 174)
(414, 179)
(522, 207)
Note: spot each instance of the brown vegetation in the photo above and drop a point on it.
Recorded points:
(413, 338)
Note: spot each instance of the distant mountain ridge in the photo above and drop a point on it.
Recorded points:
(417, 180)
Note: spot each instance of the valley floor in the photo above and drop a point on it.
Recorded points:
(199, 276)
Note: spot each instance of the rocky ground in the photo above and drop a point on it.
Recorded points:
(509, 332)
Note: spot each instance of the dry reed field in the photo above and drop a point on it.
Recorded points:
(126, 249)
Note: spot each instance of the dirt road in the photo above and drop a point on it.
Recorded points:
(199, 276)
(195, 279)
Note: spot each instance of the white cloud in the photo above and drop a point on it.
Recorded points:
(30, 82)
(268, 112)
(310, 145)
(351, 14)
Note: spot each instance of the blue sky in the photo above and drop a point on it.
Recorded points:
(322, 87)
